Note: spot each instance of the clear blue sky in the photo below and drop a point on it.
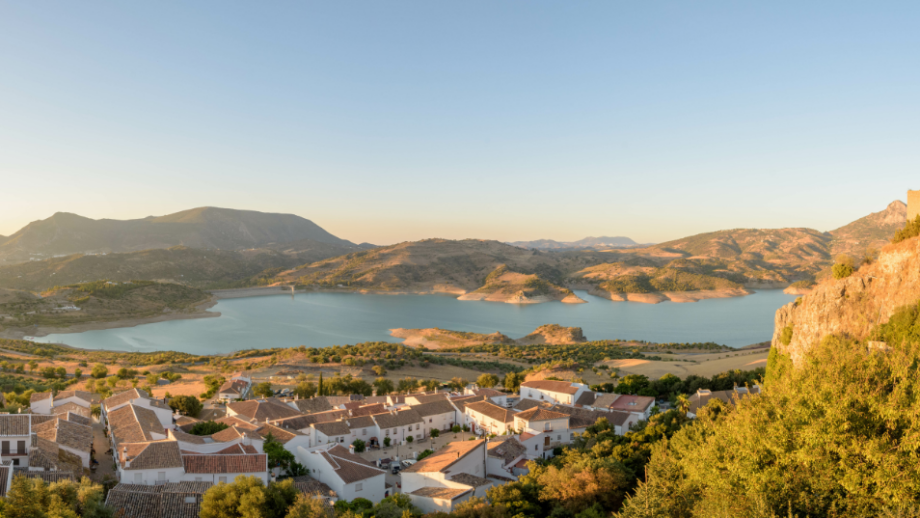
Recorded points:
(386, 121)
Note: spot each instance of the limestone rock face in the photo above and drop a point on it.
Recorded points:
(854, 305)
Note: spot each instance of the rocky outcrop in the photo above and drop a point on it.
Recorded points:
(554, 334)
(435, 338)
(851, 306)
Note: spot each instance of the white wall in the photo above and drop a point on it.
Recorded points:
(440, 421)
(216, 478)
(372, 488)
(149, 476)
(73, 399)
(433, 505)
(485, 422)
(41, 407)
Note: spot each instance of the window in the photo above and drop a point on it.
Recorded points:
(21, 447)
(547, 427)
(190, 499)
(364, 431)
(138, 478)
(387, 432)
(559, 437)
(418, 426)
(430, 420)
(222, 480)
(571, 436)
(534, 447)
(359, 486)
(15, 462)
(5, 448)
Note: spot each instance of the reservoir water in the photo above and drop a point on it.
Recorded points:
(324, 319)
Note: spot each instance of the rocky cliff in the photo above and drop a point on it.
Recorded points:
(853, 305)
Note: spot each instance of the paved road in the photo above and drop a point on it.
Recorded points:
(407, 451)
(106, 463)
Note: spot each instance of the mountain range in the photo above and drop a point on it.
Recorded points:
(205, 227)
(210, 248)
(595, 243)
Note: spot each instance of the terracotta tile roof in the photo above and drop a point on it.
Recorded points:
(66, 433)
(233, 433)
(439, 407)
(313, 405)
(48, 455)
(559, 387)
(461, 402)
(73, 408)
(38, 396)
(260, 410)
(4, 475)
(237, 422)
(527, 404)
(304, 421)
(185, 423)
(365, 410)
(421, 399)
(470, 480)
(141, 503)
(526, 435)
(152, 455)
(539, 414)
(14, 424)
(488, 392)
(348, 467)
(310, 486)
(617, 418)
(360, 422)
(580, 417)
(395, 419)
(280, 434)
(632, 403)
(698, 400)
(38, 419)
(237, 387)
(332, 428)
(441, 493)
(226, 463)
(89, 397)
(605, 400)
(444, 458)
(124, 397)
(587, 398)
(492, 411)
(505, 447)
(132, 423)
(181, 436)
(237, 449)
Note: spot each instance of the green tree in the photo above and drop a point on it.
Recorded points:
(487, 380)
(513, 381)
(431, 385)
(244, 498)
(458, 383)
(309, 506)
(263, 389)
(379, 370)
(78, 373)
(359, 445)
(279, 496)
(207, 428)
(407, 385)
(32, 366)
(383, 386)
(305, 390)
(100, 371)
(186, 405)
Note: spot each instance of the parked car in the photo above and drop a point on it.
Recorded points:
(408, 462)
(395, 469)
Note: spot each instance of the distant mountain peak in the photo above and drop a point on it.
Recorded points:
(588, 242)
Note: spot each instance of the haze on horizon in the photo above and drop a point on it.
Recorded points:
(514, 121)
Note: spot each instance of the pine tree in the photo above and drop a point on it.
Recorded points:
(319, 389)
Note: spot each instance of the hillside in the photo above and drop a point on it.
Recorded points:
(505, 285)
(194, 267)
(99, 302)
(436, 338)
(872, 231)
(205, 227)
(851, 306)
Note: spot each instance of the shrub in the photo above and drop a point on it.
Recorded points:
(186, 405)
(409, 439)
(785, 337)
(386, 442)
(99, 371)
(207, 428)
(359, 445)
(435, 433)
(842, 271)
(424, 454)
(455, 428)
(911, 229)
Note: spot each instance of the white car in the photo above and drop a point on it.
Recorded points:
(408, 462)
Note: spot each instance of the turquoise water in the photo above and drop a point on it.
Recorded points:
(324, 319)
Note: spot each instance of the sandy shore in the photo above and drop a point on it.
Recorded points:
(200, 311)
(797, 291)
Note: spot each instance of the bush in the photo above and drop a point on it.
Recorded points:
(359, 445)
(785, 337)
(842, 271)
(911, 229)
(409, 439)
(100, 371)
(435, 433)
(386, 442)
(455, 428)
(186, 405)
(207, 428)
(423, 454)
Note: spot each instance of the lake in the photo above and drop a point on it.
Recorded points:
(324, 319)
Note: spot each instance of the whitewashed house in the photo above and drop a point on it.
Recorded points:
(139, 398)
(335, 432)
(503, 453)
(553, 427)
(439, 415)
(349, 475)
(15, 438)
(490, 418)
(565, 392)
(70, 436)
(398, 425)
(447, 477)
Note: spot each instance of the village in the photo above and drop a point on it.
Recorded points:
(438, 447)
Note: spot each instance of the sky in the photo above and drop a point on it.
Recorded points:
(512, 120)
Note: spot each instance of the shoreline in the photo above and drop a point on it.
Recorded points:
(200, 311)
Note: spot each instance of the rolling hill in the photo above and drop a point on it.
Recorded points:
(593, 243)
(205, 227)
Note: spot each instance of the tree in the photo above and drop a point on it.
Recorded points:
(431, 385)
(409, 439)
(244, 498)
(32, 366)
(320, 390)
(424, 453)
(359, 445)
(279, 496)
(487, 380)
(513, 381)
(386, 442)
(383, 386)
(407, 385)
(33, 498)
(305, 390)
(186, 405)
(435, 433)
(281, 457)
(379, 370)
(113, 381)
(263, 389)
(632, 384)
(310, 506)
(78, 373)
(207, 428)
(100, 371)
(683, 403)
(458, 383)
